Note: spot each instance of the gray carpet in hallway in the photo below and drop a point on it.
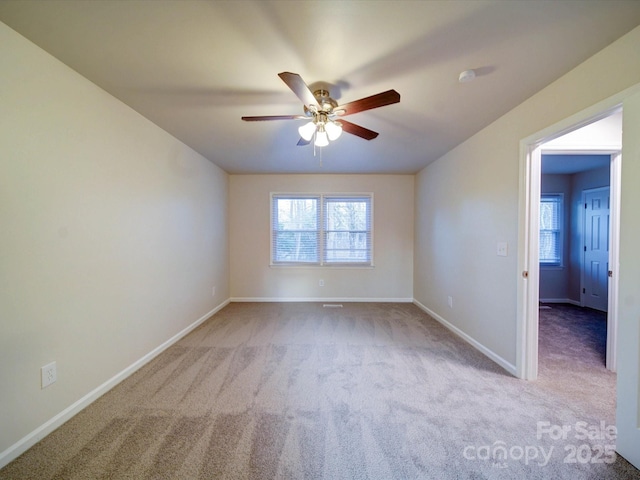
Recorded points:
(572, 358)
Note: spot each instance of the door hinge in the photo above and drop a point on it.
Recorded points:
(610, 273)
(585, 248)
(584, 290)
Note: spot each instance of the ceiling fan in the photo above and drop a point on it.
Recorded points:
(323, 111)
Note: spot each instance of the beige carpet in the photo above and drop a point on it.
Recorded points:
(298, 391)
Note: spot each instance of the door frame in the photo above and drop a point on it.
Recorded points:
(529, 230)
(615, 178)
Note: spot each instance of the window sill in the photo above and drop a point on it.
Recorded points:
(551, 267)
(347, 266)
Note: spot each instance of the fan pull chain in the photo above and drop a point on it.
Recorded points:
(314, 148)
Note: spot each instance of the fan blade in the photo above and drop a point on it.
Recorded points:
(357, 130)
(302, 142)
(374, 101)
(297, 85)
(273, 117)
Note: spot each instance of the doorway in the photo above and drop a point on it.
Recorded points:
(623, 243)
(566, 237)
(573, 281)
(584, 135)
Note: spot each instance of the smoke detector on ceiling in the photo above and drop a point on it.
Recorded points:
(467, 76)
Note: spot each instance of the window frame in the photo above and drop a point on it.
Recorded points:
(322, 229)
(558, 199)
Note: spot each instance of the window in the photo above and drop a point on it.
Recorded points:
(296, 229)
(551, 207)
(321, 229)
(347, 230)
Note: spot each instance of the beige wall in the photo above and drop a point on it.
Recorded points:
(253, 278)
(467, 201)
(112, 235)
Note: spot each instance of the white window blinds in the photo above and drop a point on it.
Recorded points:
(295, 229)
(347, 230)
(551, 229)
(321, 229)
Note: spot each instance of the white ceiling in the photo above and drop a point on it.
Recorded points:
(586, 148)
(568, 164)
(195, 67)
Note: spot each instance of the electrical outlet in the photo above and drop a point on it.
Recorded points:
(48, 374)
(502, 249)
(321, 283)
(213, 291)
(450, 301)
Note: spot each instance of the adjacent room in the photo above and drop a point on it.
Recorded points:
(318, 239)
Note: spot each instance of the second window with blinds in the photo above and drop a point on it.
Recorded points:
(551, 241)
(321, 229)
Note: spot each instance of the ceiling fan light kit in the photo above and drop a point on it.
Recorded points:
(334, 130)
(322, 140)
(323, 128)
(322, 111)
(307, 130)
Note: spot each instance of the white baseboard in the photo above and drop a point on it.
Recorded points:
(561, 300)
(45, 429)
(321, 299)
(471, 341)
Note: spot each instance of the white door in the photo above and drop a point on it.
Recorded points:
(628, 382)
(595, 279)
